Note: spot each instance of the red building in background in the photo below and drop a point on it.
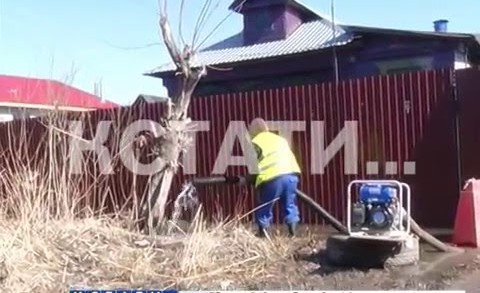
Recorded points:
(23, 97)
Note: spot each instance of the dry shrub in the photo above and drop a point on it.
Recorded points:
(49, 242)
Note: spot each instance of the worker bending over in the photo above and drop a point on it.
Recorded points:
(277, 177)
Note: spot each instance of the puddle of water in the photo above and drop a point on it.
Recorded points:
(187, 200)
(433, 264)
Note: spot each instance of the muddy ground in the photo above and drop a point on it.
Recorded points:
(308, 270)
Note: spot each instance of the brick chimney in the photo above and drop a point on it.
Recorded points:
(268, 20)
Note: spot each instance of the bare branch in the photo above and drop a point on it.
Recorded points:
(206, 20)
(237, 8)
(219, 68)
(180, 22)
(170, 43)
(135, 48)
(162, 4)
(200, 20)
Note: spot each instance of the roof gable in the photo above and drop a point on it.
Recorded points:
(239, 5)
(149, 99)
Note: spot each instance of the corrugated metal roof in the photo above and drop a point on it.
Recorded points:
(26, 90)
(308, 36)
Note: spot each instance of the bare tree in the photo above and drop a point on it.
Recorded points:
(174, 139)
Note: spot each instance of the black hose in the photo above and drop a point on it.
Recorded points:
(308, 200)
(216, 180)
(209, 180)
(325, 215)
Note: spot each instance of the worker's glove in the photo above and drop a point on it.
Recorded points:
(240, 180)
(232, 179)
(250, 179)
(243, 180)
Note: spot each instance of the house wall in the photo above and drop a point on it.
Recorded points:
(366, 57)
(400, 54)
(461, 59)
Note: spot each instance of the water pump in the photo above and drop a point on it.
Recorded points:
(378, 224)
(379, 207)
(376, 207)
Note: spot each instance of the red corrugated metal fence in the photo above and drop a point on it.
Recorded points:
(394, 115)
(401, 118)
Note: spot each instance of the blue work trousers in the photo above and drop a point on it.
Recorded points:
(285, 188)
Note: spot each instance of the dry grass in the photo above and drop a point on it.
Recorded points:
(49, 257)
(49, 243)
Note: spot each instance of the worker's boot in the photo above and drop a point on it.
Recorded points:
(261, 233)
(291, 230)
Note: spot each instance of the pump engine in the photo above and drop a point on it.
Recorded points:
(376, 208)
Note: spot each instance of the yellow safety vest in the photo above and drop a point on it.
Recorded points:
(276, 157)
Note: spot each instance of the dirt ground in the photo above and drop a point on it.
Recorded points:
(470, 283)
(308, 270)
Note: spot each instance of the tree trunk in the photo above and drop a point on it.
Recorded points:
(174, 140)
(158, 211)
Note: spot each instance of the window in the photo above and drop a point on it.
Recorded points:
(404, 65)
(403, 69)
(6, 117)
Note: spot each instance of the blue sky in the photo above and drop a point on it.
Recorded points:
(116, 41)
